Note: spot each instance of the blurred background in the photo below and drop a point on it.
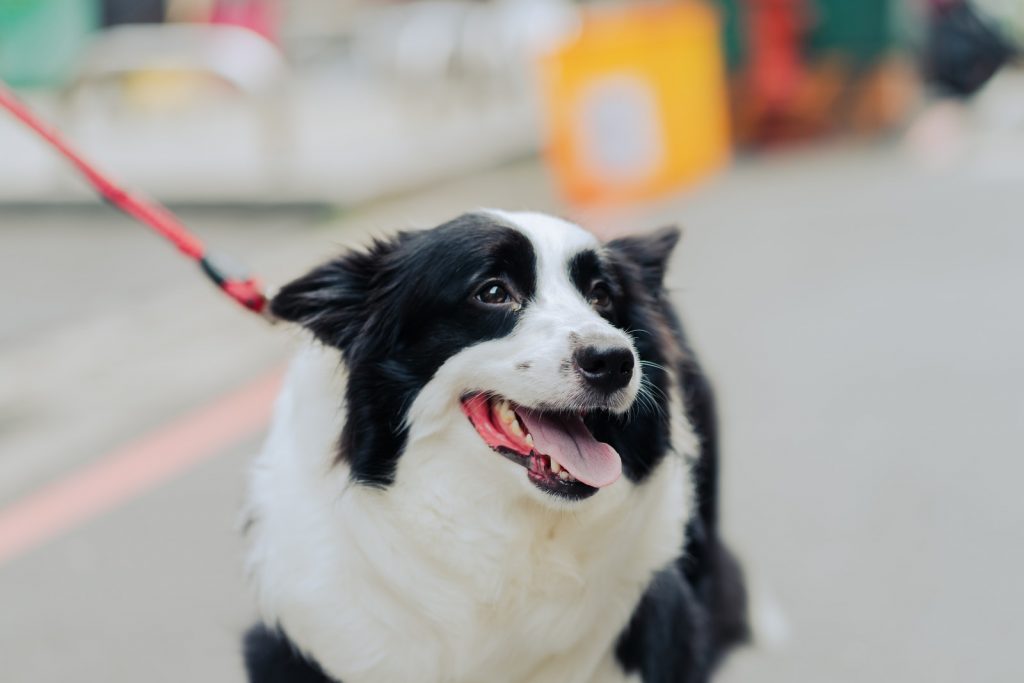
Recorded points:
(849, 174)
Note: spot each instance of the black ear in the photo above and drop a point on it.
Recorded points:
(332, 300)
(650, 253)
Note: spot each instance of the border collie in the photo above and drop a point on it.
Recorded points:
(493, 462)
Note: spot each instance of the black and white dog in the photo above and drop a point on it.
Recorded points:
(496, 463)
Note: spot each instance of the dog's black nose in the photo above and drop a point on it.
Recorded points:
(607, 369)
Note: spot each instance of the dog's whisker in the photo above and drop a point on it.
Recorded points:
(652, 364)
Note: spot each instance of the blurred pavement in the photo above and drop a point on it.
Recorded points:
(860, 316)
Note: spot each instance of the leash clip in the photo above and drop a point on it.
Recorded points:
(233, 278)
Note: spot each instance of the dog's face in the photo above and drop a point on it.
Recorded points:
(548, 344)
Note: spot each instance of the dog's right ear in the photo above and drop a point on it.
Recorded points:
(650, 253)
(332, 300)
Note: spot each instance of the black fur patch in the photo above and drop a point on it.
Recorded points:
(271, 658)
(586, 268)
(666, 639)
(397, 312)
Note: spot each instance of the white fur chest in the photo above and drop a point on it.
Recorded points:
(446, 576)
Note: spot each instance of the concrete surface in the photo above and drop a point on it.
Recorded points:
(860, 316)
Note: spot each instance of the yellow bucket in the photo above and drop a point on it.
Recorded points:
(636, 103)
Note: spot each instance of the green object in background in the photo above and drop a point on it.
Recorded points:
(40, 40)
(863, 32)
(733, 32)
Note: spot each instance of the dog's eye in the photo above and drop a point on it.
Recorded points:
(599, 296)
(494, 293)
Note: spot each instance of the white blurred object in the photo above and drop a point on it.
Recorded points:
(769, 623)
(407, 94)
(446, 38)
(239, 56)
(936, 139)
(189, 110)
(982, 138)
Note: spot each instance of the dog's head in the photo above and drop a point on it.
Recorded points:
(514, 332)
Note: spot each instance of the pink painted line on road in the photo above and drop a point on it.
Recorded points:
(135, 468)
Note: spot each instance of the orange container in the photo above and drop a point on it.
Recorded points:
(636, 105)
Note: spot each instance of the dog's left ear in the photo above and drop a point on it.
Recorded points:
(650, 253)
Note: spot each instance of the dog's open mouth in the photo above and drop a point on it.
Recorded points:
(559, 453)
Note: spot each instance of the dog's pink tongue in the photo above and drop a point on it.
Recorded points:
(568, 441)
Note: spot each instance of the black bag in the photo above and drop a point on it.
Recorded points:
(963, 52)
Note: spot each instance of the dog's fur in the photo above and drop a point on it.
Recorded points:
(390, 544)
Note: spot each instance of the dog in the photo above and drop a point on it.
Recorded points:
(493, 461)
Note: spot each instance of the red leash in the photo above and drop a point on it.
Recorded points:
(242, 288)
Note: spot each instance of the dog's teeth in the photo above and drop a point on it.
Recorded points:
(555, 467)
(529, 439)
(506, 413)
(563, 475)
(514, 427)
